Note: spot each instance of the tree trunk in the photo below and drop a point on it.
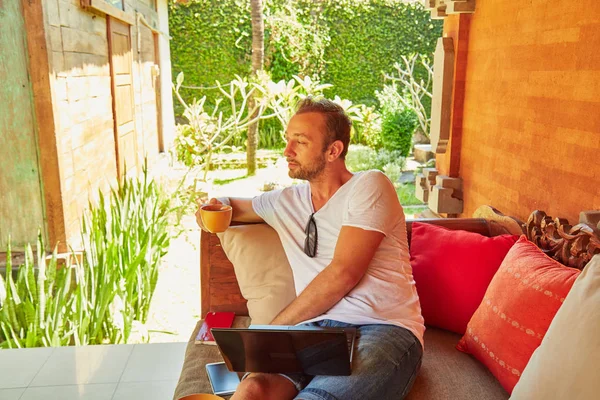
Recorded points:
(258, 45)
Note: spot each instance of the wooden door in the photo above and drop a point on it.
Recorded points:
(148, 121)
(158, 95)
(21, 195)
(119, 45)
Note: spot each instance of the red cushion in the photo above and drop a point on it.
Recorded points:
(517, 309)
(452, 270)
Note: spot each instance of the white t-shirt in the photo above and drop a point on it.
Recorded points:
(387, 293)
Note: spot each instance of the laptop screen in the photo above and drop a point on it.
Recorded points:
(314, 351)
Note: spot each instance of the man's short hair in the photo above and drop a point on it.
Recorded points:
(337, 122)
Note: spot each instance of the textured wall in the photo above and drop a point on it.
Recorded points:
(20, 186)
(82, 100)
(531, 121)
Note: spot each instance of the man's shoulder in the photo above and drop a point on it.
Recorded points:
(372, 179)
(374, 174)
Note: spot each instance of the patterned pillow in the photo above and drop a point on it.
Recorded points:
(517, 309)
(565, 366)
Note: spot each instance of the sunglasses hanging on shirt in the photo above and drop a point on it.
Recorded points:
(310, 243)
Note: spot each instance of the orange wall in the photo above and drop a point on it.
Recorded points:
(530, 136)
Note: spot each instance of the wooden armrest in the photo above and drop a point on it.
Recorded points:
(219, 289)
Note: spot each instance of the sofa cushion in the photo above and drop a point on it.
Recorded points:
(452, 270)
(265, 277)
(565, 364)
(517, 309)
(193, 378)
(450, 374)
(445, 373)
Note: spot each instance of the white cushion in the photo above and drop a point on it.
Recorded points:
(261, 268)
(565, 365)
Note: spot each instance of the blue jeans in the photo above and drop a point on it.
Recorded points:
(386, 361)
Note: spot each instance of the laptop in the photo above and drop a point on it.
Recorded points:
(287, 349)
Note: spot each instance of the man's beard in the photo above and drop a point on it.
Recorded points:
(308, 172)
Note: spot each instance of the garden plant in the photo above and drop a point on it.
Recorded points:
(99, 298)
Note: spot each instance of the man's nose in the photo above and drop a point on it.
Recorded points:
(288, 150)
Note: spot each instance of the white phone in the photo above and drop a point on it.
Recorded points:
(222, 381)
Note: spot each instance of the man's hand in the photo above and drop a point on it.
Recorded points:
(200, 204)
(242, 210)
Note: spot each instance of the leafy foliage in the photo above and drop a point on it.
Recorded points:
(388, 98)
(368, 37)
(416, 93)
(348, 43)
(100, 298)
(296, 41)
(270, 134)
(397, 130)
(406, 196)
(34, 310)
(204, 133)
(211, 41)
(361, 158)
(367, 127)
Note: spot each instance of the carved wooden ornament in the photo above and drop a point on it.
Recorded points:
(573, 246)
(441, 103)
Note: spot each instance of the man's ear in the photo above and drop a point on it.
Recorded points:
(335, 150)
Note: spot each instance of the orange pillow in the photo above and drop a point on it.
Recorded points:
(517, 309)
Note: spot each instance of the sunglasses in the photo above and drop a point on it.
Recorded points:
(310, 243)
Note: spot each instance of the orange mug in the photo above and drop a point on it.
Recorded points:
(216, 217)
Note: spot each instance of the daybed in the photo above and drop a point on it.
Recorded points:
(446, 373)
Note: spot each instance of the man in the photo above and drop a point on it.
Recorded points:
(345, 237)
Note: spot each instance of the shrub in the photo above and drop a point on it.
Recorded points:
(393, 171)
(368, 37)
(389, 101)
(35, 310)
(97, 300)
(361, 158)
(397, 130)
(270, 134)
(345, 42)
(366, 124)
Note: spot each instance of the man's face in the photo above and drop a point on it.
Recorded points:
(304, 151)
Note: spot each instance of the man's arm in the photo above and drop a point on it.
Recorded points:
(242, 210)
(354, 251)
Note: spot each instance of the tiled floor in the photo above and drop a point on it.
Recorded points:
(115, 372)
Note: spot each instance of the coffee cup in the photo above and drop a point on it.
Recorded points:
(216, 217)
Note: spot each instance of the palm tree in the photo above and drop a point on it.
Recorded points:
(258, 44)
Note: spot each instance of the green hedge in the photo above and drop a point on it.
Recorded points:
(211, 40)
(368, 38)
(362, 38)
